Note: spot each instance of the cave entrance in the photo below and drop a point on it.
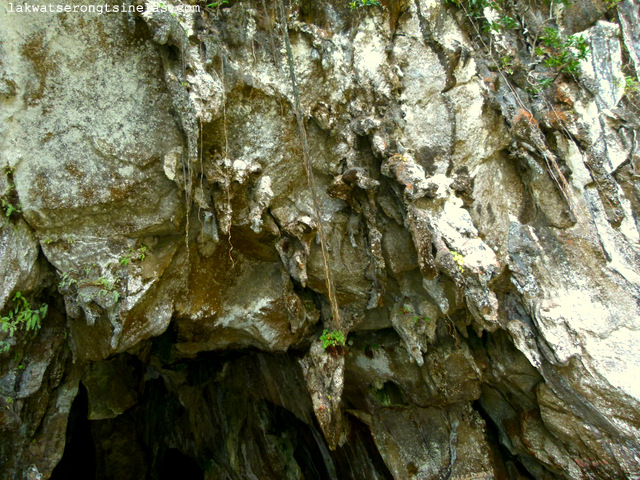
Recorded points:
(214, 416)
(79, 457)
(176, 464)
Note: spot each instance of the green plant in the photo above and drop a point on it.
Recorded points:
(631, 85)
(309, 306)
(108, 288)
(22, 316)
(140, 254)
(507, 63)
(504, 22)
(544, 82)
(332, 339)
(563, 55)
(217, 3)
(354, 4)
(418, 321)
(538, 84)
(103, 282)
(9, 209)
(66, 281)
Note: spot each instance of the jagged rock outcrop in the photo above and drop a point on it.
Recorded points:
(476, 230)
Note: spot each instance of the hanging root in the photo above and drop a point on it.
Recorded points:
(307, 165)
(226, 160)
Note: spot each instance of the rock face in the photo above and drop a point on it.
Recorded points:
(198, 193)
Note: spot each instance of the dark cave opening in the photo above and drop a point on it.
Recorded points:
(360, 438)
(513, 467)
(79, 457)
(186, 432)
(308, 448)
(176, 464)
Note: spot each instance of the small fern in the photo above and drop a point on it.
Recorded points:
(22, 316)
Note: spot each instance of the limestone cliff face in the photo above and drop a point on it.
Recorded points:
(454, 187)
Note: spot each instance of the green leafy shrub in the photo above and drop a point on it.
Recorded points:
(563, 55)
(333, 341)
(332, 338)
(559, 54)
(22, 316)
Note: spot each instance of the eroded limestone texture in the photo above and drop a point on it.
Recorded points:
(481, 232)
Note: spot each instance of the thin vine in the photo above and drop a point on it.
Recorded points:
(226, 162)
(308, 169)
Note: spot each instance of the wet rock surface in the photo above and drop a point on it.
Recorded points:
(193, 218)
